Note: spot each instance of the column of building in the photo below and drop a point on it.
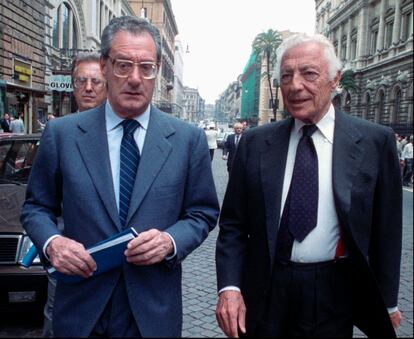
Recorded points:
(381, 27)
(362, 36)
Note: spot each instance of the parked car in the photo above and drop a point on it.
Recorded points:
(221, 139)
(21, 289)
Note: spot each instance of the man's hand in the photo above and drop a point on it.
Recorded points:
(231, 313)
(149, 248)
(396, 319)
(224, 157)
(70, 257)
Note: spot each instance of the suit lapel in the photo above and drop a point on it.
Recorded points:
(347, 157)
(272, 168)
(154, 154)
(93, 147)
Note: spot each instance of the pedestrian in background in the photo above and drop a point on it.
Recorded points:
(89, 85)
(310, 229)
(211, 135)
(230, 146)
(17, 125)
(5, 123)
(89, 91)
(407, 159)
(123, 164)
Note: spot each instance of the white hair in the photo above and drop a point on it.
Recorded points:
(329, 52)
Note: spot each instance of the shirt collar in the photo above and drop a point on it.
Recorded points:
(113, 120)
(325, 125)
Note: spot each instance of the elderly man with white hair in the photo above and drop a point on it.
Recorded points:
(310, 228)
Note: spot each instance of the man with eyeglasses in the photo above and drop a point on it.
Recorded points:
(123, 164)
(89, 88)
(89, 91)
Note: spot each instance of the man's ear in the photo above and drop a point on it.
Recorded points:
(102, 63)
(336, 79)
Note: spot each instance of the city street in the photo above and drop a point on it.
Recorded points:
(199, 279)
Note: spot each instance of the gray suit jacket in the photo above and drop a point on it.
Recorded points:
(367, 194)
(174, 192)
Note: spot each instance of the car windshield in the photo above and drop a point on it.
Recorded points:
(16, 159)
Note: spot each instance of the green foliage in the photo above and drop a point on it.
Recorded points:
(347, 81)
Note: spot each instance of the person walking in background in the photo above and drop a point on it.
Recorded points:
(89, 91)
(211, 135)
(17, 125)
(122, 164)
(311, 224)
(407, 160)
(89, 85)
(5, 123)
(230, 146)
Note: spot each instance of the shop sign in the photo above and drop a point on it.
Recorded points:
(23, 70)
(61, 83)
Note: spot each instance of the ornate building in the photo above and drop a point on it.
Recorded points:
(374, 39)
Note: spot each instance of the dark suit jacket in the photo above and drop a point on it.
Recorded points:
(367, 193)
(174, 192)
(5, 125)
(230, 150)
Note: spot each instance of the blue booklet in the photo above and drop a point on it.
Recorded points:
(108, 254)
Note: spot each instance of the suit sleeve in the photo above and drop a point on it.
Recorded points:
(43, 195)
(385, 246)
(233, 235)
(200, 208)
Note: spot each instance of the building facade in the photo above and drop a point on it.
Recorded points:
(373, 39)
(22, 59)
(194, 105)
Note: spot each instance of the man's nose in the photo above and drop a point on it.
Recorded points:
(297, 81)
(88, 85)
(135, 75)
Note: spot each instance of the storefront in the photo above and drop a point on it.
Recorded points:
(20, 96)
(60, 89)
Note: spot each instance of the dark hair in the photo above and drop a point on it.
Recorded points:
(133, 25)
(84, 57)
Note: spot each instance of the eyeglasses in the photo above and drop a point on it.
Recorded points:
(81, 82)
(124, 68)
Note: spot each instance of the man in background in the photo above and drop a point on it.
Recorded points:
(230, 146)
(211, 135)
(89, 91)
(89, 85)
(5, 123)
(17, 125)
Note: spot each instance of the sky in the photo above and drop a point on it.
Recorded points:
(219, 34)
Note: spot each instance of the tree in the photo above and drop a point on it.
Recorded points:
(265, 45)
(347, 81)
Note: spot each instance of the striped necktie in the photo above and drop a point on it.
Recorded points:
(128, 167)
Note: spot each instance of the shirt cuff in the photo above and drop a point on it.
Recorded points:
(47, 243)
(392, 309)
(175, 247)
(230, 288)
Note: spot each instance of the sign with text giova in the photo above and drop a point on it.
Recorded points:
(61, 83)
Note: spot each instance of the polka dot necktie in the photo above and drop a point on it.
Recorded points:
(300, 213)
(129, 162)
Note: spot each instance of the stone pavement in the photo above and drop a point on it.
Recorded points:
(199, 277)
